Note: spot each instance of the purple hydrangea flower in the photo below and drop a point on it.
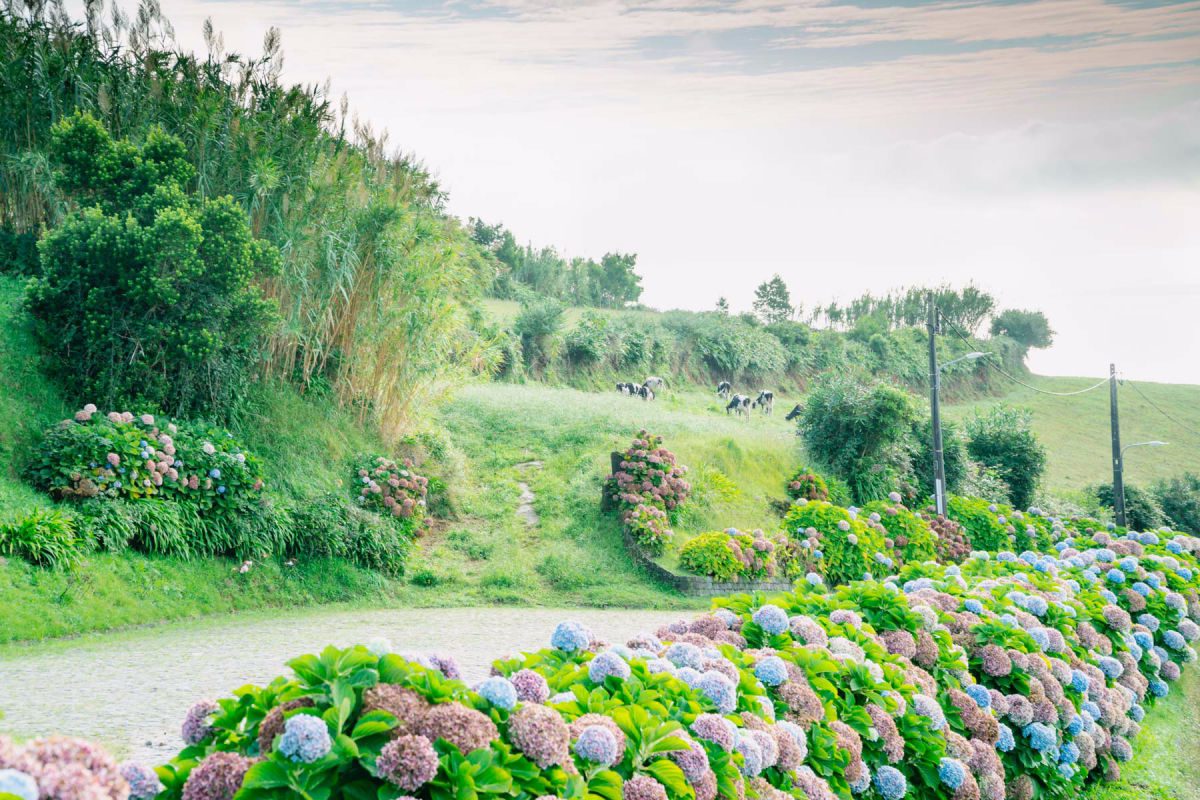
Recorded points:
(597, 744)
(196, 727)
(606, 664)
(305, 738)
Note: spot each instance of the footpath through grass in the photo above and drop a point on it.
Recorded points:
(1166, 754)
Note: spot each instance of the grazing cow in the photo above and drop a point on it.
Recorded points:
(645, 392)
(654, 383)
(739, 404)
(630, 389)
(765, 401)
(795, 412)
(724, 389)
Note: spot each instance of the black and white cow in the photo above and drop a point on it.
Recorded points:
(645, 392)
(765, 401)
(739, 404)
(724, 389)
(795, 412)
(654, 383)
(627, 388)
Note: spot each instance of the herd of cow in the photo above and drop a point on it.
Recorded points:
(740, 404)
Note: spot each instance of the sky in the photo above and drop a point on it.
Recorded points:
(1046, 150)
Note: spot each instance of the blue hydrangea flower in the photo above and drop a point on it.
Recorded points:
(1128, 564)
(980, 695)
(1137, 713)
(772, 671)
(214, 473)
(1080, 681)
(1038, 606)
(1174, 640)
(973, 605)
(1091, 709)
(926, 706)
(813, 579)
(1105, 555)
(1159, 688)
(1075, 725)
(1041, 637)
(1175, 547)
(500, 692)
(1066, 770)
(597, 744)
(305, 739)
(684, 654)
(1115, 576)
(1185, 573)
(890, 783)
(606, 664)
(1110, 667)
(1041, 736)
(656, 665)
(1141, 588)
(570, 637)
(952, 773)
(863, 783)
(1150, 621)
(816, 554)
(725, 615)
(1005, 743)
(18, 783)
(752, 756)
(1006, 556)
(561, 697)
(1068, 753)
(689, 676)
(772, 619)
(720, 690)
(1143, 639)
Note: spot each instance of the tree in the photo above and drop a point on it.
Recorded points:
(723, 306)
(772, 301)
(1029, 329)
(954, 456)
(859, 431)
(1002, 438)
(618, 283)
(148, 294)
(1142, 510)
(1179, 498)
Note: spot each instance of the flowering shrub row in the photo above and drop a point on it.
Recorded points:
(120, 455)
(1006, 676)
(731, 554)
(648, 486)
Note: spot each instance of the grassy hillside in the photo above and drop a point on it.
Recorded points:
(1075, 429)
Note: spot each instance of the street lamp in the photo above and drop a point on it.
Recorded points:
(1143, 444)
(935, 384)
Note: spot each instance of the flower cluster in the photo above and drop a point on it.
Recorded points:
(120, 455)
(390, 488)
(807, 485)
(61, 768)
(646, 487)
(731, 555)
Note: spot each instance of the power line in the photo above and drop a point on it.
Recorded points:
(1155, 406)
(1016, 380)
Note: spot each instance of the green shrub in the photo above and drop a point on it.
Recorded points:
(538, 326)
(392, 489)
(808, 485)
(588, 342)
(711, 554)
(912, 538)
(982, 522)
(328, 526)
(122, 456)
(43, 537)
(858, 431)
(954, 457)
(848, 546)
(147, 294)
(1002, 438)
(1179, 498)
(1142, 511)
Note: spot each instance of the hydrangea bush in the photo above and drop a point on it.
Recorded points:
(808, 485)
(390, 488)
(120, 455)
(841, 544)
(647, 487)
(731, 555)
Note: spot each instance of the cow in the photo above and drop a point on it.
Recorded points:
(654, 383)
(627, 388)
(724, 389)
(645, 392)
(795, 412)
(739, 404)
(765, 401)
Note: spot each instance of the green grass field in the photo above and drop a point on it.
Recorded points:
(1076, 429)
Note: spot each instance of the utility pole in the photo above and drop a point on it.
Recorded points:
(1118, 484)
(939, 464)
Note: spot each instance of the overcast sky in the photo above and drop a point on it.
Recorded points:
(1047, 150)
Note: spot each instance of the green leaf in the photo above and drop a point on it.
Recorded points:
(265, 775)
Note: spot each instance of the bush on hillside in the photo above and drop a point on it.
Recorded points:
(911, 537)
(390, 488)
(1002, 438)
(120, 455)
(147, 294)
(329, 527)
(647, 487)
(842, 546)
(859, 431)
(952, 545)
(1142, 509)
(1179, 499)
(808, 485)
(983, 523)
(538, 326)
(43, 537)
(731, 554)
